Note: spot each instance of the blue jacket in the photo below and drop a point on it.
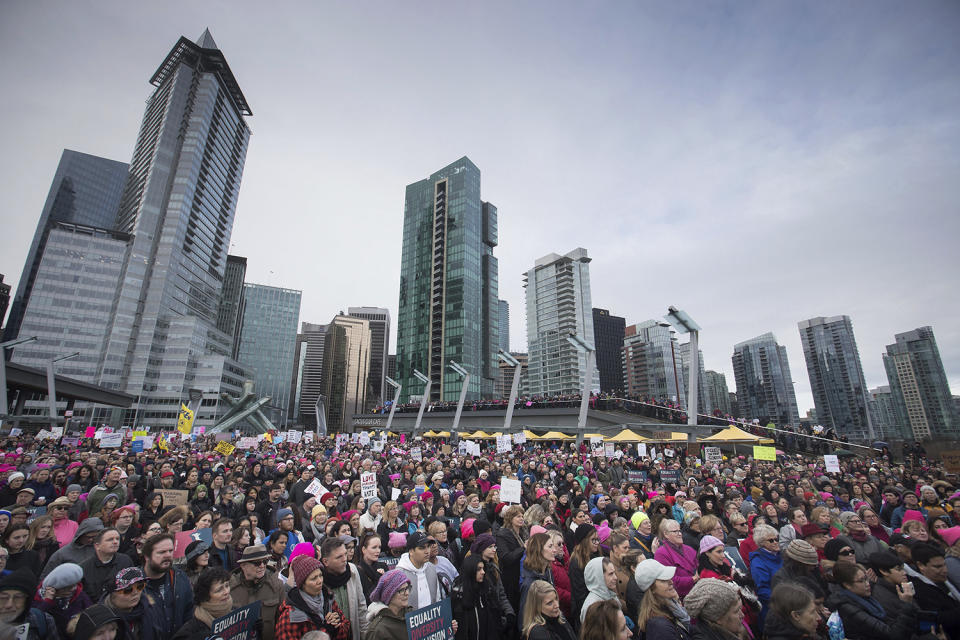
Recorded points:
(176, 601)
(896, 518)
(763, 565)
(44, 490)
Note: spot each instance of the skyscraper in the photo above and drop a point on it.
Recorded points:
(178, 203)
(919, 387)
(4, 299)
(608, 339)
(764, 385)
(836, 375)
(558, 306)
(651, 362)
(504, 326)
(505, 377)
(449, 306)
(85, 191)
(717, 392)
(883, 415)
(270, 316)
(230, 308)
(307, 383)
(379, 345)
(346, 361)
(704, 404)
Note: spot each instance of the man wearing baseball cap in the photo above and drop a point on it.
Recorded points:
(126, 597)
(425, 588)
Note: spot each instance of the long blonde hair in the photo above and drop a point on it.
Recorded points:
(536, 596)
(35, 526)
(652, 606)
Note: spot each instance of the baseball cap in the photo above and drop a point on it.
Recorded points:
(419, 539)
(649, 571)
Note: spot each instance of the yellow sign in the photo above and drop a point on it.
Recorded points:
(224, 447)
(185, 422)
(764, 453)
(162, 443)
(268, 437)
(136, 434)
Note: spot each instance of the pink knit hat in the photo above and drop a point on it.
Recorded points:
(911, 514)
(950, 536)
(303, 549)
(302, 567)
(397, 540)
(535, 529)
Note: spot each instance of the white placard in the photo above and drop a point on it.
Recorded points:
(641, 450)
(364, 438)
(355, 438)
(519, 438)
(712, 455)
(368, 485)
(463, 447)
(394, 493)
(15, 431)
(416, 454)
(315, 488)
(111, 440)
(510, 490)
(279, 437)
(247, 443)
(294, 437)
(668, 453)
(503, 444)
(832, 463)
(596, 446)
(475, 448)
(377, 445)
(147, 442)
(308, 436)
(57, 432)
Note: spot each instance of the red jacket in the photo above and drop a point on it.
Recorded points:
(287, 630)
(561, 582)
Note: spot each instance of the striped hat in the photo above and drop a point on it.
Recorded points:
(389, 583)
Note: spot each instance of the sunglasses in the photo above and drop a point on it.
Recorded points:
(771, 540)
(138, 587)
(845, 553)
(258, 563)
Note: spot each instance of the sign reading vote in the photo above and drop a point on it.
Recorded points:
(239, 624)
(433, 622)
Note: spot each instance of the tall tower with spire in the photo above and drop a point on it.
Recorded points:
(178, 204)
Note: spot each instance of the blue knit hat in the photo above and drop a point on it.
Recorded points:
(389, 583)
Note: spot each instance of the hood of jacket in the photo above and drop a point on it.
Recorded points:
(374, 608)
(89, 525)
(405, 564)
(593, 578)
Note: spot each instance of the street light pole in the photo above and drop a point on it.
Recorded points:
(588, 349)
(393, 407)
(4, 401)
(52, 387)
(685, 324)
(423, 399)
(465, 376)
(517, 369)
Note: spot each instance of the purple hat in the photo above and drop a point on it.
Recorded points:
(709, 542)
(389, 584)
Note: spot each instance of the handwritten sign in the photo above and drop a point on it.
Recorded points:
(519, 438)
(503, 444)
(609, 449)
(951, 461)
(224, 448)
(510, 490)
(315, 488)
(712, 455)
(111, 440)
(641, 450)
(416, 454)
(368, 485)
(173, 497)
(247, 443)
(832, 463)
(70, 441)
(433, 622)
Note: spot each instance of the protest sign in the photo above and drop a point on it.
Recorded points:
(445, 449)
(147, 442)
(368, 485)
(364, 438)
(394, 493)
(832, 463)
(239, 624)
(764, 453)
(137, 433)
(89, 432)
(609, 449)
(16, 431)
(308, 436)
(510, 490)
(474, 448)
(315, 488)
(416, 454)
(951, 461)
(519, 438)
(503, 444)
(173, 497)
(712, 455)
(376, 445)
(463, 447)
(294, 437)
(247, 443)
(596, 446)
(433, 622)
(185, 420)
(224, 448)
(111, 440)
(136, 446)
(70, 441)
(183, 539)
(641, 450)
(636, 475)
(670, 476)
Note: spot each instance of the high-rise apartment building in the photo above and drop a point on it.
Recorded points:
(836, 375)
(392, 370)
(651, 362)
(558, 306)
(734, 405)
(608, 340)
(178, 203)
(704, 404)
(883, 415)
(449, 304)
(764, 385)
(919, 386)
(504, 326)
(346, 362)
(85, 191)
(379, 345)
(230, 309)
(505, 377)
(716, 390)
(4, 300)
(270, 317)
(307, 383)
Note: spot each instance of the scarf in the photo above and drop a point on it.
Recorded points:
(859, 536)
(208, 611)
(680, 614)
(880, 533)
(474, 510)
(316, 604)
(870, 605)
(334, 581)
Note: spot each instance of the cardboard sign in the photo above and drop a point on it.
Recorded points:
(111, 440)
(294, 437)
(519, 438)
(247, 443)
(951, 461)
(239, 624)
(832, 463)
(510, 490)
(224, 448)
(173, 497)
(433, 622)
(446, 449)
(764, 453)
(368, 485)
(712, 455)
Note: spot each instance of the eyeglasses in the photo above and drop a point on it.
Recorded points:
(138, 587)
(672, 531)
(845, 553)
(769, 540)
(258, 563)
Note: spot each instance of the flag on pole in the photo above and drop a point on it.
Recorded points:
(185, 422)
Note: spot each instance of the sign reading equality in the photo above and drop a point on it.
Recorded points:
(433, 622)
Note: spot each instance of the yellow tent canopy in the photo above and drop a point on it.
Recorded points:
(479, 435)
(587, 436)
(626, 436)
(437, 434)
(766, 441)
(732, 435)
(531, 435)
(556, 435)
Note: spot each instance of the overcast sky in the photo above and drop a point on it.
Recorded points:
(755, 164)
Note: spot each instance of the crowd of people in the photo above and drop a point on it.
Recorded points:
(340, 540)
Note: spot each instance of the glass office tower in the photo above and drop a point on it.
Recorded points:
(764, 385)
(608, 334)
(379, 319)
(449, 307)
(651, 362)
(178, 203)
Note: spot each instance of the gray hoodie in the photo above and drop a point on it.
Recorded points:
(423, 580)
(73, 552)
(597, 587)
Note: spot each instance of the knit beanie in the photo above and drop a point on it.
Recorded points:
(20, 580)
(951, 535)
(74, 487)
(603, 531)
(535, 529)
(710, 599)
(912, 514)
(481, 527)
(65, 575)
(709, 542)
(303, 549)
(481, 543)
(832, 549)
(466, 528)
(16, 475)
(316, 510)
(397, 540)
(637, 519)
(582, 533)
(388, 585)
(803, 552)
(302, 567)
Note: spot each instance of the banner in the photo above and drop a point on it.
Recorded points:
(433, 622)
(832, 463)
(185, 421)
(510, 490)
(183, 539)
(951, 461)
(224, 448)
(162, 443)
(136, 446)
(637, 476)
(764, 453)
(503, 444)
(712, 455)
(239, 624)
(111, 440)
(368, 485)
(247, 443)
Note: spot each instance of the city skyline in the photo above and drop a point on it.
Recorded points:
(793, 157)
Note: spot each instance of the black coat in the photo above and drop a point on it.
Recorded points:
(931, 598)
(193, 630)
(552, 630)
(775, 628)
(509, 552)
(483, 620)
(861, 624)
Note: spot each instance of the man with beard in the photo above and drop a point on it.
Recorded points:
(16, 592)
(251, 581)
(343, 580)
(125, 596)
(102, 566)
(168, 585)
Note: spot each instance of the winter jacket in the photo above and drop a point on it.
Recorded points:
(862, 550)
(685, 560)
(561, 582)
(509, 552)
(554, 629)
(42, 625)
(174, 597)
(763, 566)
(427, 572)
(661, 628)
(289, 630)
(384, 624)
(44, 490)
(97, 574)
(776, 628)
(370, 575)
(143, 621)
(860, 623)
(73, 552)
(193, 629)
(357, 603)
(931, 597)
(527, 577)
(63, 609)
(268, 591)
(100, 492)
(578, 591)
(489, 619)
